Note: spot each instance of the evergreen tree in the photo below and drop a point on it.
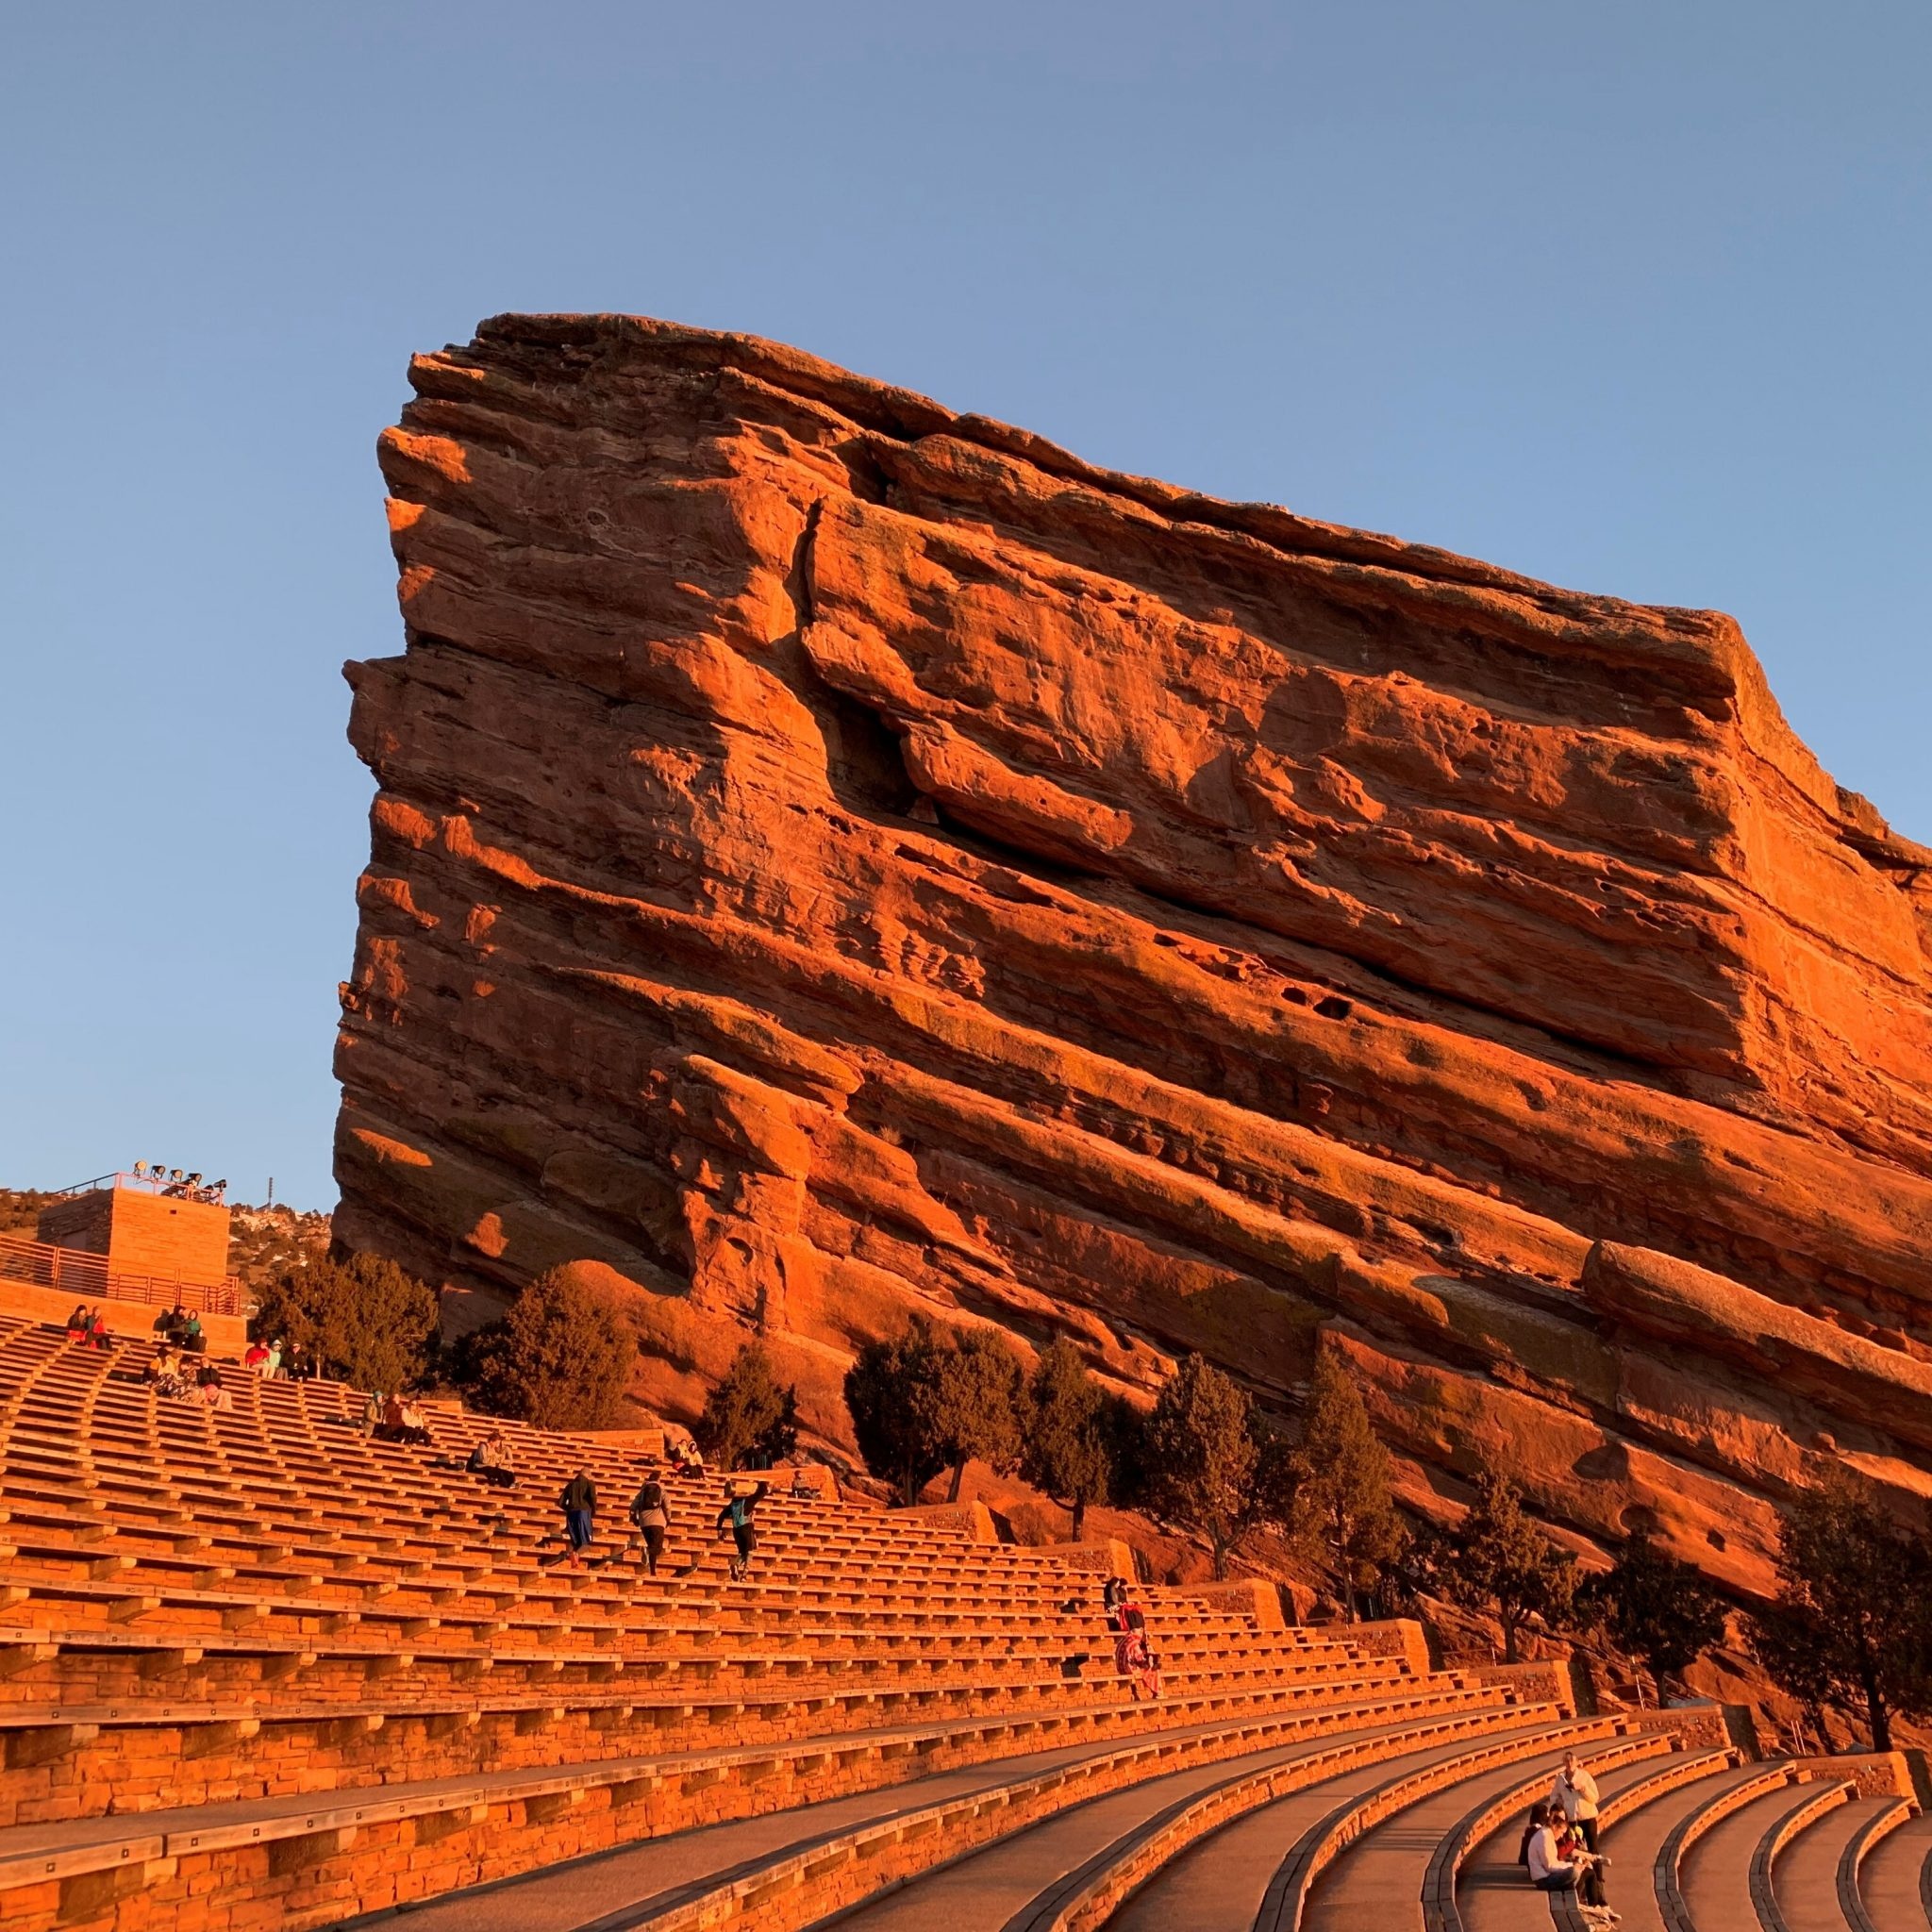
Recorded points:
(1340, 1500)
(1500, 1561)
(1852, 1623)
(1655, 1608)
(1070, 1449)
(1202, 1456)
(359, 1318)
(561, 1359)
(895, 1392)
(751, 1418)
(1791, 1646)
(982, 1387)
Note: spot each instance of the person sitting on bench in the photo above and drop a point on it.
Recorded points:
(489, 1459)
(1549, 1871)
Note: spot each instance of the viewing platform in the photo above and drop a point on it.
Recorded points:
(131, 1242)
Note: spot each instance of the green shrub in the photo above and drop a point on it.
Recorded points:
(562, 1358)
(1203, 1456)
(751, 1418)
(894, 1390)
(360, 1318)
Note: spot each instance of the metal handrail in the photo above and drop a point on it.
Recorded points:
(153, 1182)
(86, 1276)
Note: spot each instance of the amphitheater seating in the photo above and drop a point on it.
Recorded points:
(257, 1671)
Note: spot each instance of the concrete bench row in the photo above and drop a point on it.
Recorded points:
(674, 1792)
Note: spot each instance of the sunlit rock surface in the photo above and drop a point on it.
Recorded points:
(836, 856)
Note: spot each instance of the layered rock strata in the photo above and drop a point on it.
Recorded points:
(835, 856)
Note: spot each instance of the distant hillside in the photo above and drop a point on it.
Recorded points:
(263, 1242)
(20, 1208)
(267, 1242)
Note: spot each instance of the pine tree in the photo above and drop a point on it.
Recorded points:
(562, 1358)
(1655, 1608)
(1790, 1646)
(1202, 1456)
(894, 1390)
(359, 1317)
(1342, 1502)
(751, 1418)
(1502, 1562)
(982, 1386)
(1852, 1623)
(1068, 1452)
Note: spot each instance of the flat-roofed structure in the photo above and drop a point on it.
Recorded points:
(160, 1228)
(128, 1243)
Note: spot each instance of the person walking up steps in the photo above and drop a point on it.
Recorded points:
(736, 1517)
(1129, 1623)
(579, 1506)
(651, 1519)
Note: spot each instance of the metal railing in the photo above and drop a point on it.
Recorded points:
(86, 1277)
(155, 1180)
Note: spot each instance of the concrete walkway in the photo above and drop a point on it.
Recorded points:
(1632, 1847)
(1379, 1881)
(1804, 1879)
(1894, 1872)
(983, 1892)
(1716, 1874)
(1220, 1883)
(567, 1897)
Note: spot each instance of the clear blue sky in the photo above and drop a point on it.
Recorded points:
(1632, 297)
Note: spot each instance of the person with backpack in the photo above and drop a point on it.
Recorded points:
(651, 1518)
(736, 1517)
(1129, 1621)
(578, 1502)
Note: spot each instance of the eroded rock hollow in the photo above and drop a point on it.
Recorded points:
(836, 856)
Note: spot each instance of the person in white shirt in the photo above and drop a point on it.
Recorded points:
(1549, 1871)
(1575, 1791)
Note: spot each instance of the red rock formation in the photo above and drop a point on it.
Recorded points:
(835, 855)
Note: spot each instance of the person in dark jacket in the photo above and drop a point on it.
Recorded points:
(736, 1517)
(579, 1506)
(651, 1518)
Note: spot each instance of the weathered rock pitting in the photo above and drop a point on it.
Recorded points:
(834, 855)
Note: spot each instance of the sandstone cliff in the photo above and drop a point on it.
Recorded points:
(835, 855)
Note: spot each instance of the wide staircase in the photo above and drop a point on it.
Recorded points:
(257, 1671)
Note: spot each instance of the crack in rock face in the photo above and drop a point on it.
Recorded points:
(835, 858)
